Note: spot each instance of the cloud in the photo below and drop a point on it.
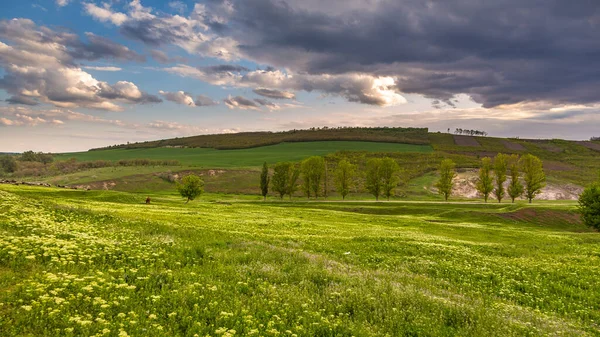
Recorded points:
(362, 88)
(206, 75)
(20, 115)
(40, 7)
(104, 14)
(19, 99)
(202, 100)
(273, 93)
(184, 98)
(192, 33)
(239, 102)
(501, 52)
(62, 3)
(162, 57)
(40, 66)
(178, 6)
(97, 68)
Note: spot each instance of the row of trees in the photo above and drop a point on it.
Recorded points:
(468, 132)
(526, 174)
(381, 177)
(8, 163)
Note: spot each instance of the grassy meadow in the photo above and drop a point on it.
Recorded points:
(253, 157)
(102, 263)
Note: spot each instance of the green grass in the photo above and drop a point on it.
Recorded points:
(89, 263)
(211, 158)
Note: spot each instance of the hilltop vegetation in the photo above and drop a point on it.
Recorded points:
(244, 140)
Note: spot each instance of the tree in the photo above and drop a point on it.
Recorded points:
(264, 181)
(344, 177)
(279, 181)
(29, 156)
(389, 176)
(292, 182)
(313, 170)
(515, 189)
(589, 206)
(533, 175)
(485, 183)
(447, 174)
(373, 182)
(500, 167)
(190, 187)
(8, 164)
(45, 158)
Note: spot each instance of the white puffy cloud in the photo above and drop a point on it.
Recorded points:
(105, 14)
(184, 98)
(40, 67)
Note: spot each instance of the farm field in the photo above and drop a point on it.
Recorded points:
(96, 263)
(253, 157)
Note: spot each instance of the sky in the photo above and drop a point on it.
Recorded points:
(75, 75)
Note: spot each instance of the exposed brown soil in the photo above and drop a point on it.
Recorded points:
(542, 216)
(545, 145)
(466, 141)
(557, 166)
(513, 146)
(590, 145)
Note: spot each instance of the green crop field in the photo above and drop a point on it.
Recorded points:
(204, 157)
(102, 263)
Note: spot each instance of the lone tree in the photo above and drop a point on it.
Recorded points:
(447, 174)
(345, 173)
(373, 182)
(485, 183)
(533, 175)
(500, 167)
(279, 181)
(190, 187)
(389, 176)
(313, 171)
(515, 188)
(589, 206)
(264, 181)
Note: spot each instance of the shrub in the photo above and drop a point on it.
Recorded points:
(589, 206)
(191, 186)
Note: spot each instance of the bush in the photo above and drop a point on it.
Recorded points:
(589, 206)
(8, 164)
(190, 187)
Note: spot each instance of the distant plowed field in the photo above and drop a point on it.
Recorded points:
(466, 141)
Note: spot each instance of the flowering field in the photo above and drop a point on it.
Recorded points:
(97, 263)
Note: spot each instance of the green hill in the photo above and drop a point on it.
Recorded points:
(230, 163)
(250, 157)
(246, 140)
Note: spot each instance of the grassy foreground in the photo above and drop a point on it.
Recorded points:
(101, 263)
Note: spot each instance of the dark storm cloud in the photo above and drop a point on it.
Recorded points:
(499, 52)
